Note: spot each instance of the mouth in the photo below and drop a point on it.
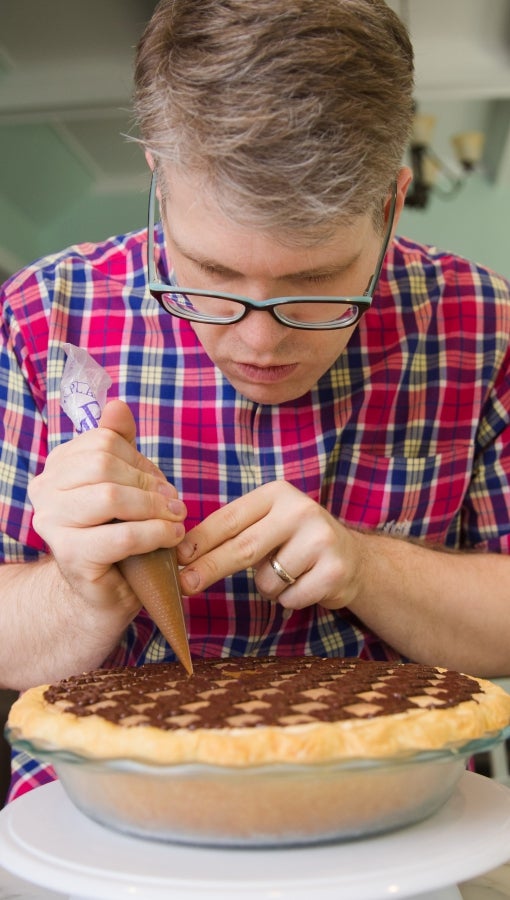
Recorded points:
(265, 374)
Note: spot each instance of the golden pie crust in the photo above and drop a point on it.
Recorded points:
(248, 711)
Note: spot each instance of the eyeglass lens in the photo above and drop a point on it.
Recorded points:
(207, 307)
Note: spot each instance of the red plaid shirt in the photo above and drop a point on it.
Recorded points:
(407, 433)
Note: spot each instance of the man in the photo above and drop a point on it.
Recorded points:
(326, 444)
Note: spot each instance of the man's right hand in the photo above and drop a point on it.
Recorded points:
(98, 501)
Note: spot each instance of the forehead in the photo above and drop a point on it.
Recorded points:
(196, 224)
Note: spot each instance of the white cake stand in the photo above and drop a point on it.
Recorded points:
(46, 840)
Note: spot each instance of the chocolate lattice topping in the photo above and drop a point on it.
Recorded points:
(248, 692)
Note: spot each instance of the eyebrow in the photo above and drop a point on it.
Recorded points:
(209, 263)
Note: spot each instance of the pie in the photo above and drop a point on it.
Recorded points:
(246, 711)
(258, 750)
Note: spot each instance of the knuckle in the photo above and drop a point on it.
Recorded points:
(148, 468)
(104, 439)
(33, 488)
(125, 538)
(231, 519)
(210, 570)
(109, 497)
(144, 481)
(246, 549)
(154, 508)
(38, 523)
(98, 467)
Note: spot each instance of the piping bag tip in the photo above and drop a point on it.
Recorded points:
(154, 579)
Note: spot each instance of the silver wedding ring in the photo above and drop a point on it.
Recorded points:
(280, 571)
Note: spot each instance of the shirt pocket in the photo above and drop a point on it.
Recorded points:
(410, 496)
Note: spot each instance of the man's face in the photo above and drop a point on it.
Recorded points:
(264, 360)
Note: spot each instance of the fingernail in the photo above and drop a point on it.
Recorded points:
(186, 549)
(191, 579)
(177, 507)
(179, 530)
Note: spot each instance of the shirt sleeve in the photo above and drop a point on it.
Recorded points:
(487, 506)
(23, 432)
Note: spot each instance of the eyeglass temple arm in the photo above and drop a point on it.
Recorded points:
(151, 268)
(375, 277)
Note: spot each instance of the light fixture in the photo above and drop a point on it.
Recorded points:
(430, 173)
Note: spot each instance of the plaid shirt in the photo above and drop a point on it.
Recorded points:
(407, 433)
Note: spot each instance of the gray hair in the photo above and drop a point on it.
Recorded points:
(294, 113)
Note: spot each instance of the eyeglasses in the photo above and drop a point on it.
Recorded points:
(313, 313)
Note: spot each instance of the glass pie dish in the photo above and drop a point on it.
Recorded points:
(260, 806)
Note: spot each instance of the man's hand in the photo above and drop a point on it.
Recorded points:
(98, 501)
(276, 519)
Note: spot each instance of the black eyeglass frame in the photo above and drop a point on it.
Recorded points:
(362, 302)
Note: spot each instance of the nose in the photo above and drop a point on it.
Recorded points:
(260, 331)
(259, 289)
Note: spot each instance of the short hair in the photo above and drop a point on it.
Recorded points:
(294, 113)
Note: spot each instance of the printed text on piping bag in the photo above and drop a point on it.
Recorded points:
(152, 576)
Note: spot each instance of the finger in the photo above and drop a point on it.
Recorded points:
(99, 455)
(225, 523)
(243, 551)
(326, 581)
(238, 516)
(95, 504)
(102, 546)
(305, 591)
(308, 590)
(100, 463)
(275, 575)
(117, 417)
(135, 538)
(241, 534)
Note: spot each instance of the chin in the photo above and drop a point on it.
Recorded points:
(270, 395)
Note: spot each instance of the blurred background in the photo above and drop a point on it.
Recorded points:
(68, 174)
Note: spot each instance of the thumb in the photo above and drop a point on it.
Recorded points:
(118, 417)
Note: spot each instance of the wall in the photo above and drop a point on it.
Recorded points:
(475, 223)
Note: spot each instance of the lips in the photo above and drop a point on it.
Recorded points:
(265, 374)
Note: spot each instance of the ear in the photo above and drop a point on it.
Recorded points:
(404, 179)
(152, 165)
